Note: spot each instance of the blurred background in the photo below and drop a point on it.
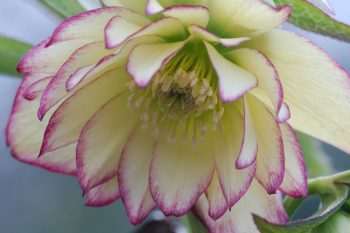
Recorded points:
(36, 201)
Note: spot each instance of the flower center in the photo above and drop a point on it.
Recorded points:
(181, 101)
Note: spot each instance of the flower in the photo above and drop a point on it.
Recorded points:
(180, 105)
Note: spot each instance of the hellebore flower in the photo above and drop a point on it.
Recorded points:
(180, 105)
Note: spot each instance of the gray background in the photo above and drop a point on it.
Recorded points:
(36, 201)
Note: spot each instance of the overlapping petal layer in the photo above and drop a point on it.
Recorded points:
(180, 105)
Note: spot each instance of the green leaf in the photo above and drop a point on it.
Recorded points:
(338, 223)
(64, 8)
(317, 162)
(193, 225)
(333, 192)
(307, 16)
(11, 52)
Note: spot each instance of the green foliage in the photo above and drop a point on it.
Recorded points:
(333, 192)
(317, 162)
(64, 8)
(305, 15)
(11, 52)
(193, 225)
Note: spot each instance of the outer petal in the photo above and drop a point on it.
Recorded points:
(234, 182)
(56, 90)
(295, 180)
(133, 176)
(36, 89)
(42, 59)
(234, 81)
(244, 17)
(146, 60)
(66, 123)
(267, 76)
(102, 141)
(239, 218)
(24, 134)
(179, 174)
(87, 25)
(316, 89)
(104, 194)
(270, 159)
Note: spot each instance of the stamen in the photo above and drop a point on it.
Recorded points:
(182, 99)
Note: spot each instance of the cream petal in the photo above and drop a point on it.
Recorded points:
(56, 89)
(88, 25)
(216, 199)
(234, 182)
(239, 219)
(295, 179)
(245, 17)
(270, 158)
(316, 89)
(103, 194)
(249, 146)
(153, 7)
(204, 34)
(234, 81)
(48, 59)
(146, 60)
(118, 30)
(179, 174)
(268, 79)
(189, 15)
(24, 134)
(36, 89)
(164, 27)
(69, 119)
(102, 140)
(133, 175)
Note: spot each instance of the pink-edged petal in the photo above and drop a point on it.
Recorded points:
(249, 146)
(245, 17)
(88, 25)
(316, 89)
(70, 117)
(179, 174)
(137, 6)
(36, 89)
(43, 59)
(153, 7)
(295, 180)
(24, 134)
(284, 114)
(56, 90)
(216, 199)
(114, 61)
(239, 218)
(133, 176)
(210, 37)
(270, 159)
(234, 81)
(103, 194)
(117, 30)
(77, 77)
(269, 81)
(101, 142)
(189, 15)
(164, 27)
(147, 59)
(234, 182)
